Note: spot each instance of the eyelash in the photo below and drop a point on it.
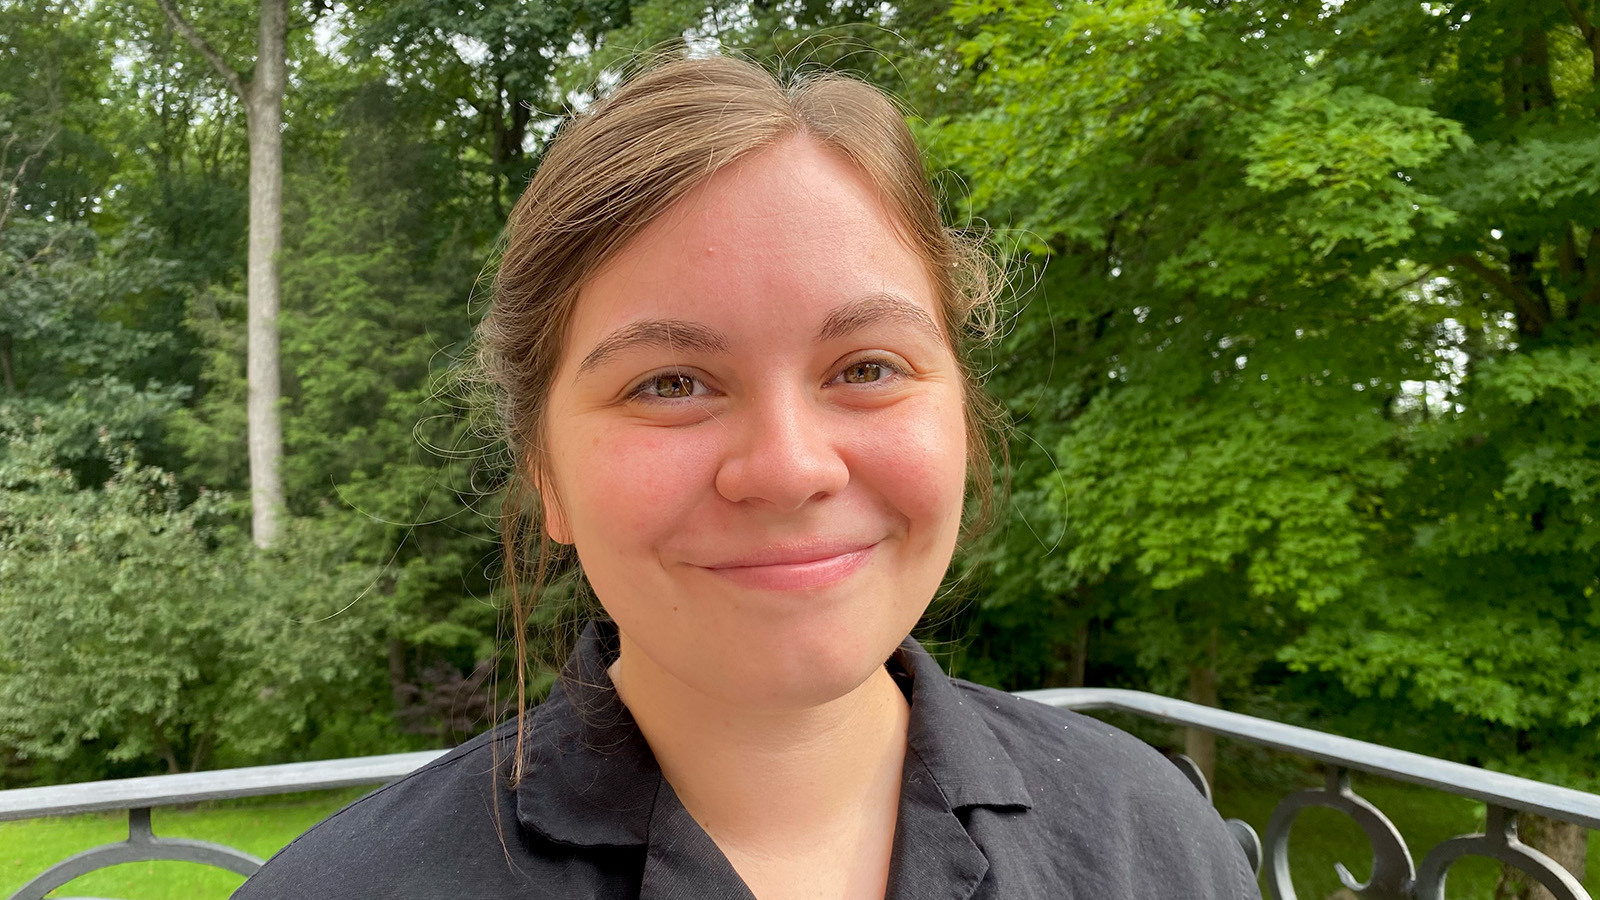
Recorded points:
(640, 391)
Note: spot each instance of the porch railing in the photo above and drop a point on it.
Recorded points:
(1396, 874)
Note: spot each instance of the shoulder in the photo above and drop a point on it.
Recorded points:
(1059, 743)
(440, 825)
(1108, 799)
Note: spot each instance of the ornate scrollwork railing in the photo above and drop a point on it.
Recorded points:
(1395, 876)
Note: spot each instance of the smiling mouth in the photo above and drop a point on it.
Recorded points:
(797, 576)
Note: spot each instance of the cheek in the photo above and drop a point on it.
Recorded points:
(631, 481)
(916, 457)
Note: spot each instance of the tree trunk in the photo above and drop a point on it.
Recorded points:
(1201, 746)
(1563, 842)
(262, 97)
(1526, 88)
(264, 113)
(6, 363)
(164, 747)
(397, 673)
(1078, 668)
(201, 748)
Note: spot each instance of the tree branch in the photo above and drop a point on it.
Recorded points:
(1427, 272)
(199, 754)
(1525, 306)
(229, 74)
(11, 189)
(15, 184)
(1495, 279)
(163, 746)
(1579, 282)
(1585, 27)
(41, 254)
(6, 364)
(1590, 35)
(1572, 265)
(1591, 296)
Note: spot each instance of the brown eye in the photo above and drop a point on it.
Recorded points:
(863, 373)
(672, 386)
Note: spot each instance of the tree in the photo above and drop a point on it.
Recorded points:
(135, 627)
(1213, 462)
(497, 60)
(18, 264)
(73, 301)
(262, 96)
(1322, 304)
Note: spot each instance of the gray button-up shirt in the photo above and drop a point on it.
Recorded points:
(1000, 798)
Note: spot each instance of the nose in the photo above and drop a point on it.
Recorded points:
(782, 453)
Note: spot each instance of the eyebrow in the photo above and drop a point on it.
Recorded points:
(882, 306)
(693, 337)
(672, 334)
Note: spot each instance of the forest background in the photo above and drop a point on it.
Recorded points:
(1302, 359)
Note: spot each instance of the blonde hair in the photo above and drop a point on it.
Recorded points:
(613, 169)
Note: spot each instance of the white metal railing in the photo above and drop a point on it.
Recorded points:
(1395, 875)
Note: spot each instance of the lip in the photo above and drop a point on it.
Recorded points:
(796, 568)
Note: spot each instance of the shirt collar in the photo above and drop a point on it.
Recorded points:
(590, 778)
(947, 732)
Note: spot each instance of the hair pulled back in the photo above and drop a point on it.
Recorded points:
(614, 168)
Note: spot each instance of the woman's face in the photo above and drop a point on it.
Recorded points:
(756, 435)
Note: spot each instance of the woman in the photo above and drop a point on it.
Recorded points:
(727, 335)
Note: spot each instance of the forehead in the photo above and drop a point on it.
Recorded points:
(780, 237)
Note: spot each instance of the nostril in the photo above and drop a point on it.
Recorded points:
(786, 461)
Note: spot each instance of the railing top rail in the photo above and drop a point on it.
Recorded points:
(224, 784)
(1495, 788)
(1487, 786)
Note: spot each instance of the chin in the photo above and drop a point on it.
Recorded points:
(775, 690)
(809, 668)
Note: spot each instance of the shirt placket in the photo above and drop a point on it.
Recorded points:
(682, 862)
(934, 857)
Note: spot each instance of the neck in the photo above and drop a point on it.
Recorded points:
(767, 781)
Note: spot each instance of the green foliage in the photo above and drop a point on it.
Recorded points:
(1320, 308)
(157, 621)
(73, 361)
(1303, 361)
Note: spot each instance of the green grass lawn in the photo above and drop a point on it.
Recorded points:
(263, 825)
(259, 826)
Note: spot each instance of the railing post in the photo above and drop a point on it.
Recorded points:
(1392, 870)
(1498, 841)
(141, 845)
(1394, 875)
